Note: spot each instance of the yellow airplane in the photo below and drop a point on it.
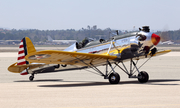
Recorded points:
(117, 50)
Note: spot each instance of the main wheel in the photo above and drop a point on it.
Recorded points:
(31, 78)
(114, 78)
(143, 77)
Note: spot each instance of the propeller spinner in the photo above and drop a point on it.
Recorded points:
(155, 39)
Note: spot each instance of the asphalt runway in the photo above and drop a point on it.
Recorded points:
(82, 89)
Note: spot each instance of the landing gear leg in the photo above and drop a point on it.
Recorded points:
(114, 77)
(31, 77)
(142, 77)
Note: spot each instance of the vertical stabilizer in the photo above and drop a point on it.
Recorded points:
(29, 45)
(50, 39)
(25, 47)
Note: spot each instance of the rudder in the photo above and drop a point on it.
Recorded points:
(25, 47)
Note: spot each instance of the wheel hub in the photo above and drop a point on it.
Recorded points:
(113, 78)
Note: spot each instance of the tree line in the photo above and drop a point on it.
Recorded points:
(71, 34)
(173, 35)
(41, 35)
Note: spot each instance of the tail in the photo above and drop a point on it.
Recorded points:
(25, 47)
(50, 39)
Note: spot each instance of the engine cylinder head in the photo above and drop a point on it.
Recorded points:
(145, 28)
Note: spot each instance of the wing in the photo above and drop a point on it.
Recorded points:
(75, 58)
(71, 58)
(158, 53)
(161, 52)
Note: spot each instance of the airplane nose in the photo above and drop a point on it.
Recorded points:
(155, 39)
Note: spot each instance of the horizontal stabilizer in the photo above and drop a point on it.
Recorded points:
(19, 68)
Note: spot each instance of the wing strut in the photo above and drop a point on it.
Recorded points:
(110, 47)
(91, 66)
(110, 66)
(97, 70)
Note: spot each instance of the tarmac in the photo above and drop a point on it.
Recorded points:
(82, 89)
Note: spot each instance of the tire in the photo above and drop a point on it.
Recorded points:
(31, 78)
(143, 77)
(114, 78)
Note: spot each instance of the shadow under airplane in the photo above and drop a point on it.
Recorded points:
(150, 82)
(43, 80)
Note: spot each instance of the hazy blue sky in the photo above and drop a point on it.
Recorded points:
(75, 14)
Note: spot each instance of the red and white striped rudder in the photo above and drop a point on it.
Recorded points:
(21, 56)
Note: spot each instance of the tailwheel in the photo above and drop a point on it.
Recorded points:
(143, 77)
(114, 78)
(31, 78)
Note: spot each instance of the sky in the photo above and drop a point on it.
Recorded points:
(77, 14)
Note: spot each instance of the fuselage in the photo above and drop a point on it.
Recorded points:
(142, 40)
